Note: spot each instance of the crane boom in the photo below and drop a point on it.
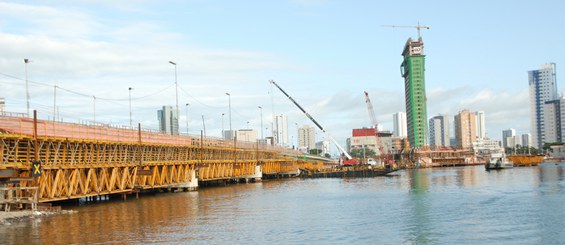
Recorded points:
(314, 121)
(371, 110)
(379, 144)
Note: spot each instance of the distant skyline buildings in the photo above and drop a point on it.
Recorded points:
(413, 72)
(542, 88)
(481, 128)
(465, 129)
(439, 130)
(280, 130)
(247, 135)
(553, 119)
(307, 137)
(168, 120)
(527, 140)
(399, 124)
(324, 147)
(508, 138)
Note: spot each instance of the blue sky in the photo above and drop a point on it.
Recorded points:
(324, 53)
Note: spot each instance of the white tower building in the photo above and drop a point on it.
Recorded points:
(399, 124)
(543, 88)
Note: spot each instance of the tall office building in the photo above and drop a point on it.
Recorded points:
(439, 130)
(2, 105)
(481, 129)
(324, 147)
(465, 129)
(307, 137)
(543, 88)
(247, 135)
(552, 120)
(508, 135)
(412, 69)
(399, 124)
(168, 120)
(281, 130)
(527, 140)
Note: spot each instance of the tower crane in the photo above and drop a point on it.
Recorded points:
(418, 27)
(374, 123)
(349, 159)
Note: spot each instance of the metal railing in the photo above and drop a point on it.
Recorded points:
(13, 123)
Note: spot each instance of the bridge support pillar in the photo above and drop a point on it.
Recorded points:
(191, 185)
(257, 176)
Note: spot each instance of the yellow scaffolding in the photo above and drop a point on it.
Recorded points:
(81, 160)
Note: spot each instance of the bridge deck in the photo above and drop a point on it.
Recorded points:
(88, 160)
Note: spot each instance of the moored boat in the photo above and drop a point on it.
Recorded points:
(498, 161)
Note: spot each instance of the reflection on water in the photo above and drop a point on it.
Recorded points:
(440, 205)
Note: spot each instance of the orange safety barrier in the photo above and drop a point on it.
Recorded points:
(102, 132)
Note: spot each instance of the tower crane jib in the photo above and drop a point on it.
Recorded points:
(418, 27)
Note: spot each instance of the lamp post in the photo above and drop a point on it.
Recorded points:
(26, 61)
(223, 135)
(130, 122)
(187, 104)
(229, 105)
(94, 107)
(297, 136)
(247, 124)
(204, 125)
(261, 128)
(55, 103)
(176, 87)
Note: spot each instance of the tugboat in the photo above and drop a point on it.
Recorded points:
(498, 161)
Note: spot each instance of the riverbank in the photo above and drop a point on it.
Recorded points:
(7, 218)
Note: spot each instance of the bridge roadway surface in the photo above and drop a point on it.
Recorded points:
(79, 160)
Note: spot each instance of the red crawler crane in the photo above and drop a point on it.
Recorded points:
(374, 125)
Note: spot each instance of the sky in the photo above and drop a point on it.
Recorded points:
(324, 53)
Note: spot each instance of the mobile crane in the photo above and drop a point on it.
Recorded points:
(347, 159)
(374, 125)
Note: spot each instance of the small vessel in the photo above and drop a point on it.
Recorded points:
(498, 161)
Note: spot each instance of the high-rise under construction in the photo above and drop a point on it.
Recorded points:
(413, 69)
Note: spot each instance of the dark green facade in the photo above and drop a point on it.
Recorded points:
(413, 71)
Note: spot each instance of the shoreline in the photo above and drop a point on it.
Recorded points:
(7, 218)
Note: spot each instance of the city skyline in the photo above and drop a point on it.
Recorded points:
(92, 53)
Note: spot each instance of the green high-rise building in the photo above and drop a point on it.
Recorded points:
(413, 70)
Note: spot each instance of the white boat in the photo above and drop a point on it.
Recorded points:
(498, 161)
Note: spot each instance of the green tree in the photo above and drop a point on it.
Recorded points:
(315, 151)
(358, 152)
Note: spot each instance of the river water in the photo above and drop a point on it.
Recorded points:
(461, 205)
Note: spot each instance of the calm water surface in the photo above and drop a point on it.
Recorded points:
(464, 205)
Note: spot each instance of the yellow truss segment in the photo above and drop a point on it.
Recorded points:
(75, 168)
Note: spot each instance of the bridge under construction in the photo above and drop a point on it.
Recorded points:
(45, 161)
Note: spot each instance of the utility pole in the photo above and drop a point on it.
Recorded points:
(229, 105)
(261, 128)
(26, 61)
(176, 92)
(130, 123)
(94, 107)
(55, 103)
(187, 104)
(204, 125)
